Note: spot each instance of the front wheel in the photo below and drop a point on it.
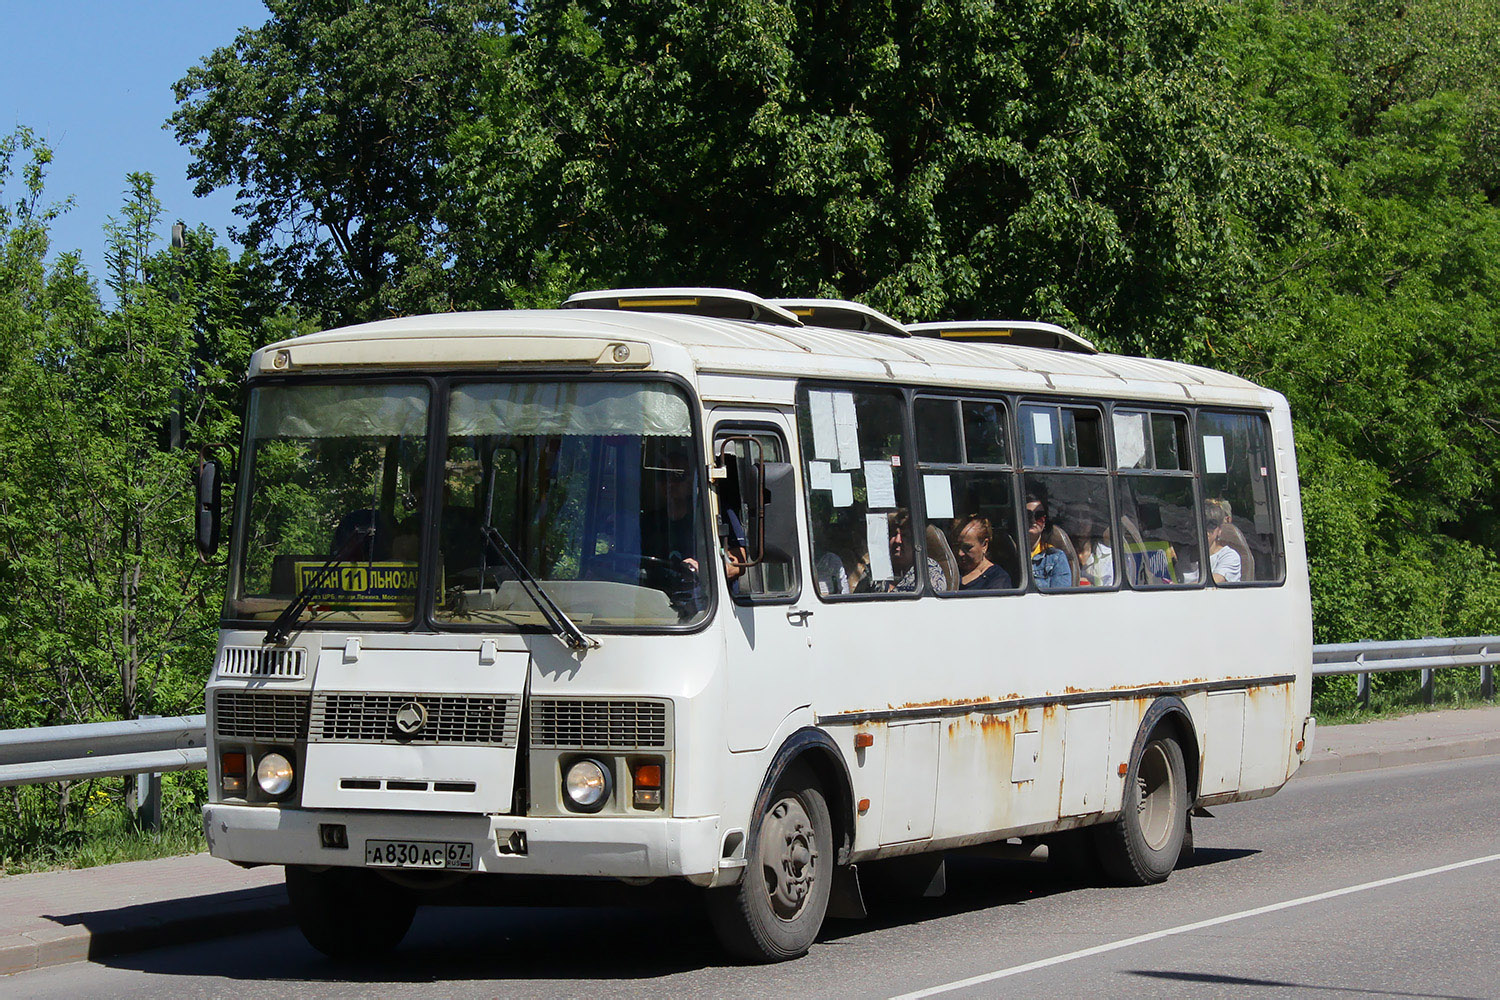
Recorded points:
(776, 911)
(349, 913)
(1144, 844)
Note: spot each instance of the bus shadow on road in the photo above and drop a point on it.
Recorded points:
(647, 934)
(980, 883)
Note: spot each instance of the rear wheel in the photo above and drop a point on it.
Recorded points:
(776, 911)
(349, 913)
(1144, 844)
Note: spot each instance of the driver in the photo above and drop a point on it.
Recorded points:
(669, 533)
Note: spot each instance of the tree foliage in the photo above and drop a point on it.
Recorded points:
(330, 121)
(1076, 161)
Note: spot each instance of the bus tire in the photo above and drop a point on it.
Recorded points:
(777, 909)
(1144, 844)
(348, 913)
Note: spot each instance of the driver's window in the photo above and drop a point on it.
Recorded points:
(769, 578)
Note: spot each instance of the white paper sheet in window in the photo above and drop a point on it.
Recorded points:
(825, 438)
(939, 493)
(878, 541)
(1130, 439)
(880, 486)
(1213, 455)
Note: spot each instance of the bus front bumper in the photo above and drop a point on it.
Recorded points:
(618, 847)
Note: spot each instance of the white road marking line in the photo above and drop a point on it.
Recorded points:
(1016, 970)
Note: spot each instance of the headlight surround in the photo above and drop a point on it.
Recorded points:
(273, 773)
(587, 785)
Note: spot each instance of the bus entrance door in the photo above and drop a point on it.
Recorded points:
(769, 618)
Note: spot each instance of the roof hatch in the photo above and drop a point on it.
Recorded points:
(719, 303)
(840, 314)
(999, 331)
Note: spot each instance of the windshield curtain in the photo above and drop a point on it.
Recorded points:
(334, 470)
(596, 485)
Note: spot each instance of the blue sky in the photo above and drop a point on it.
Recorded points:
(94, 79)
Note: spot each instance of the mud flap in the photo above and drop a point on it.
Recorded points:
(846, 901)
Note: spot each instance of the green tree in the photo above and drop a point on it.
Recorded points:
(330, 121)
(1075, 161)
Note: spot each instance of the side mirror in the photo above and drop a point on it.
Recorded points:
(209, 489)
(778, 511)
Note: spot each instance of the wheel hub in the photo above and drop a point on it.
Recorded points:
(790, 856)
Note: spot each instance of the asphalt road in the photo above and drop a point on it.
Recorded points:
(1378, 884)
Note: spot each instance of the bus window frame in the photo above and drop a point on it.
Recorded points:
(737, 426)
(1191, 473)
(908, 451)
(1104, 407)
(1273, 474)
(1006, 401)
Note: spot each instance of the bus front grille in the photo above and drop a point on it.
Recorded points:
(445, 720)
(256, 715)
(598, 724)
(260, 661)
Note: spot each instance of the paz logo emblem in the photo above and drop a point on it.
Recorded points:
(410, 718)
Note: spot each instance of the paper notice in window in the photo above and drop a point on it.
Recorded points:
(1130, 440)
(846, 429)
(819, 476)
(1041, 427)
(878, 541)
(939, 493)
(843, 489)
(880, 486)
(1213, 455)
(825, 438)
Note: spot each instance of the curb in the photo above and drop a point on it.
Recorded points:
(1370, 760)
(108, 933)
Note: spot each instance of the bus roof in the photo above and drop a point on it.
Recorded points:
(611, 338)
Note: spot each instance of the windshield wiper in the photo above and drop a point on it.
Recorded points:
(282, 626)
(563, 626)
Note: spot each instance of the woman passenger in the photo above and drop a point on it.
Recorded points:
(971, 546)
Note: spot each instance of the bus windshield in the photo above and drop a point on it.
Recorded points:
(334, 511)
(595, 485)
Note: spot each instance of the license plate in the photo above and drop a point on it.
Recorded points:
(419, 854)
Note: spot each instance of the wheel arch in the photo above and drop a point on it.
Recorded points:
(1170, 716)
(815, 748)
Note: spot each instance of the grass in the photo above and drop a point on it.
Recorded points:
(1394, 695)
(34, 836)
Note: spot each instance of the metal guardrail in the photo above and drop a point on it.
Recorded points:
(1427, 655)
(147, 746)
(102, 749)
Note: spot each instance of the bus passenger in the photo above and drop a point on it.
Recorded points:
(971, 546)
(904, 557)
(1223, 561)
(1096, 560)
(1049, 564)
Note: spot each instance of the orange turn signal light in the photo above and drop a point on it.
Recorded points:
(232, 763)
(862, 740)
(647, 776)
(864, 806)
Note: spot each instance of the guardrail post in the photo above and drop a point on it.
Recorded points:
(1427, 685)
(1361, 684)
(147, 795)
(1487, 682)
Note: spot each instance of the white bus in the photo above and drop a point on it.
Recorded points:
(686, 584)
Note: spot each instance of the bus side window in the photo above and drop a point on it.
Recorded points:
(771, 578)
(1066, 498)
(1154, 492)
(1239, 483)
(858, 504)
(963, 452)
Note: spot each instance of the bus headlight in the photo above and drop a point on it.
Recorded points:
(587, 784)
(274, 774)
